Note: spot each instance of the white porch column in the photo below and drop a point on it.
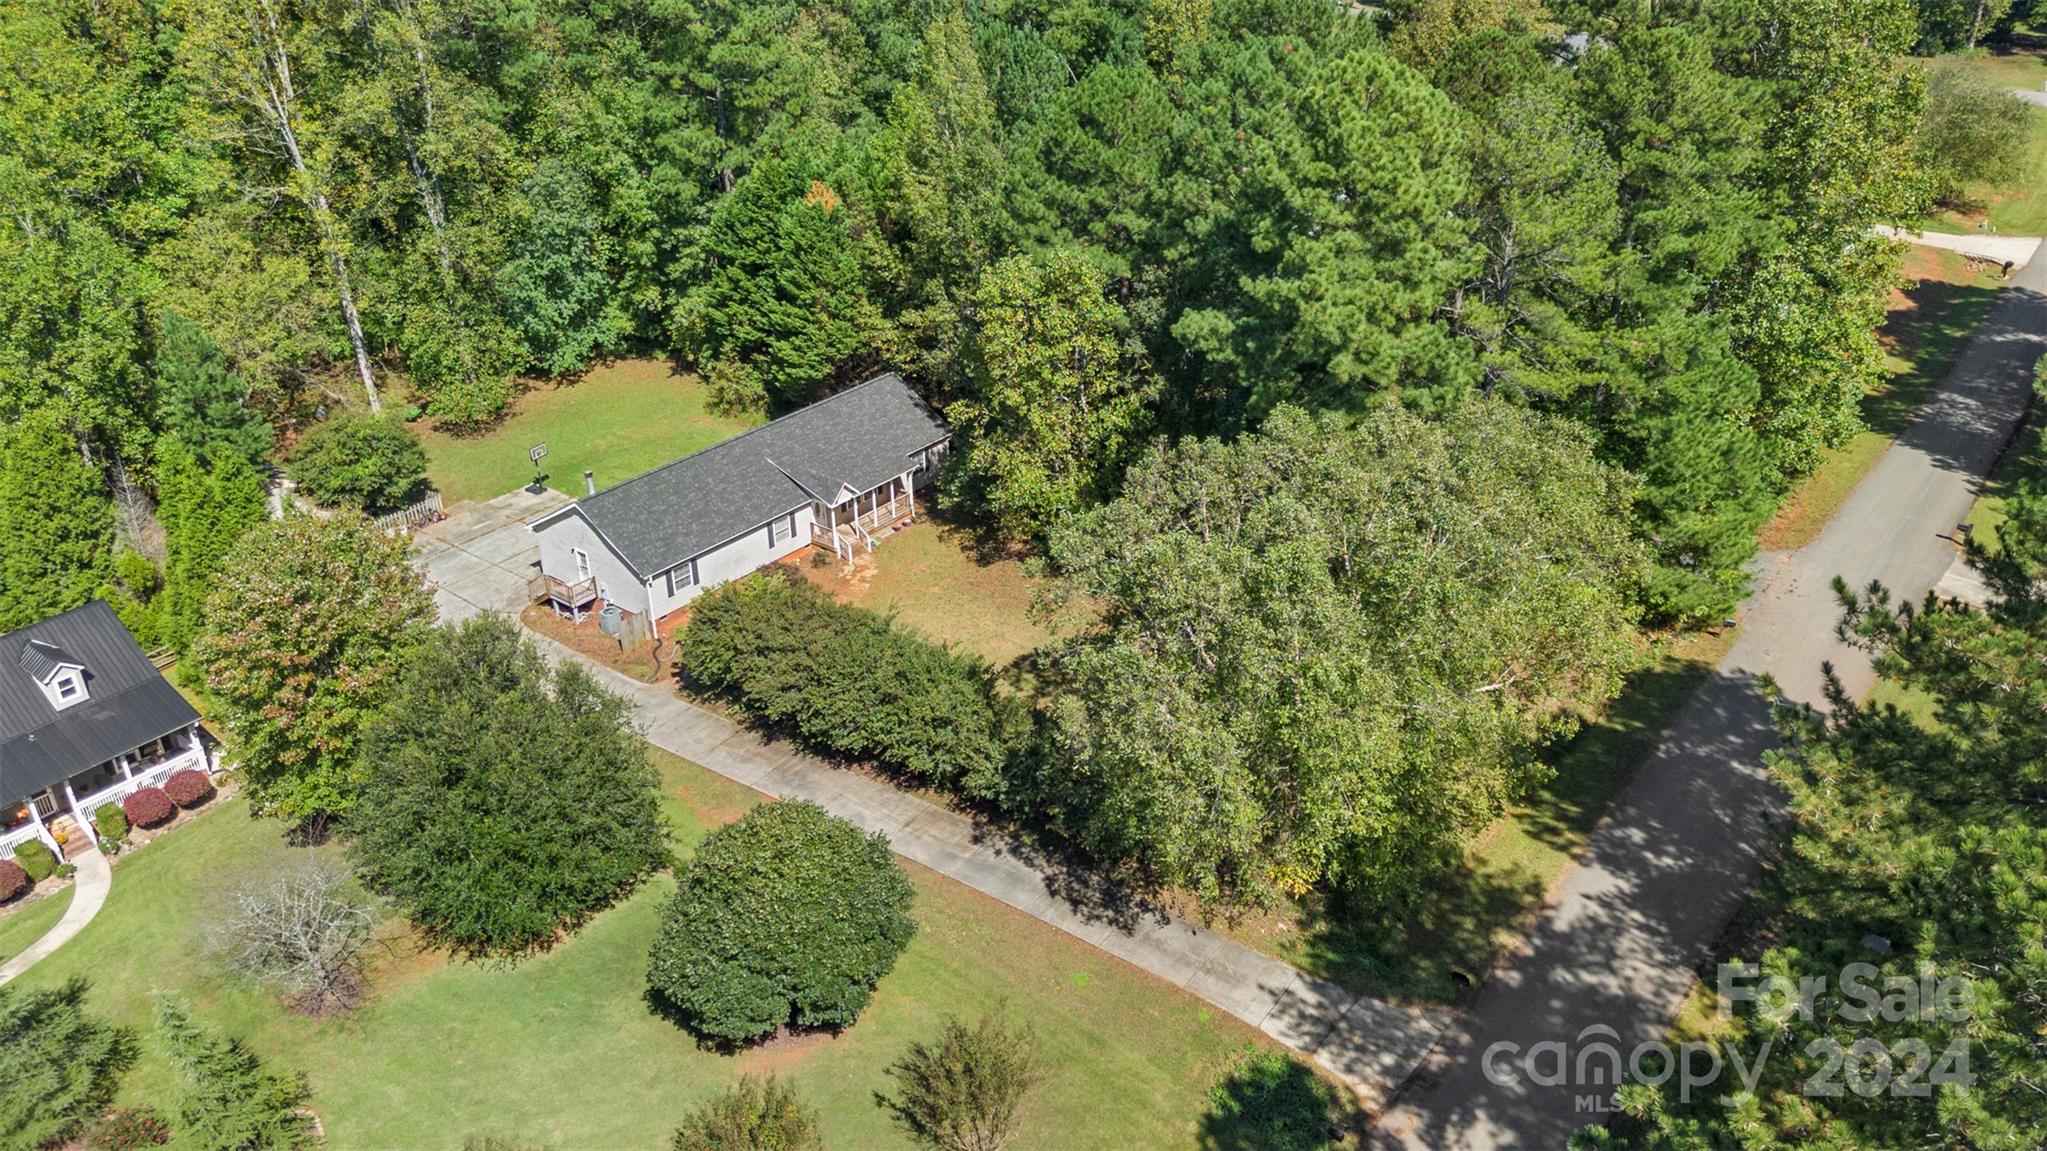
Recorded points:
(83, 822)
(35, 816)
(121, 765)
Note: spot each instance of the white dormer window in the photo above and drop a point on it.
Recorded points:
(65, 687)
(61, 677)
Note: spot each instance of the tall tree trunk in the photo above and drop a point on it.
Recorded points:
(281, 99)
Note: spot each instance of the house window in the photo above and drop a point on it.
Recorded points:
(67, 687)
(781, 529)
(582, 559)
(682, 577)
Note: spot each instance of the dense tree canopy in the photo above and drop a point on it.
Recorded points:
(786, 918)
(222, 218)
(62, 1065)
(1326, 648)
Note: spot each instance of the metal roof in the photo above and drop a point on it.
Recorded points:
(858, 439)
(127, 702)
(39, 659)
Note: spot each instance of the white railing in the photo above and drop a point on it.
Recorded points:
(9, 840)
(151, 776)
(413, 518)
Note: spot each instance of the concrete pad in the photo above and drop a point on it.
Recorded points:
(458, 564)
(688, 732)
(510, 547)
(800, 778)
(745, 759)
(1375, 1045)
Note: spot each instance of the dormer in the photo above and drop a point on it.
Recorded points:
(61, 677)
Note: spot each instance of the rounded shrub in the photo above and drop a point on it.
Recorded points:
(188, 788)
(148, 807)
(36, 858)
(111, 822)
(13, 880)
(789, 916)
(128, 1128)
(374, 463)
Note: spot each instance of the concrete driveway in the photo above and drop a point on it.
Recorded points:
(1613, 956)
(481, 556)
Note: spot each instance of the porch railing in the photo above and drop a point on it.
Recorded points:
(146, 775)
(9, 840)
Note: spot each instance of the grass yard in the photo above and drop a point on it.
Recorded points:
(619, 419)
(1468, 922)
(23, 925)
(929, 576)
(560, 1051)
(1929, 323)
(2016, 206)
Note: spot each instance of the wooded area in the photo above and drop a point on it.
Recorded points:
(223, 218)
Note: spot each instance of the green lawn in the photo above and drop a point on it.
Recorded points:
(932, 577)
(1466, 922)
(560, 1050)
(21, 926)
(2016, 205)
(1929, 324)
(619, 419)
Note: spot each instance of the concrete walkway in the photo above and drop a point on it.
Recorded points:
(479, 559)
(1612, 958)
(2017, 249)
(2030, 95)
(88, 894)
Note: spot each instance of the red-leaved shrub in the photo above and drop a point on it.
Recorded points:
(148, 807)
(13, 880)
(188, 788)
(128, 1129)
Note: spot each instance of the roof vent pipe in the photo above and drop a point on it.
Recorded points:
(589, 482)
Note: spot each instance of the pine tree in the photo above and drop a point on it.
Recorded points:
(200, 400)
(62, 1065)
(227, 1099)
(203, 512)
(56, 521)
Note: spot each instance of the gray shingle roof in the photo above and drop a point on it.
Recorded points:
(859, 438)
(127, 702)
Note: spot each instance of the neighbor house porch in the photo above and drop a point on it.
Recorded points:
(73, 800)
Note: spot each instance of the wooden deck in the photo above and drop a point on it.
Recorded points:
(571, 599)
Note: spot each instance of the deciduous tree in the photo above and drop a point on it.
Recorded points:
(307, 626)
(1327, 650)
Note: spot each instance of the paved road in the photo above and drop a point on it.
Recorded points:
(479, 560)
(1617, 947)
(88, 893)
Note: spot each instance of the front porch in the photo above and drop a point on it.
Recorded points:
(76, 798)
(848, 528)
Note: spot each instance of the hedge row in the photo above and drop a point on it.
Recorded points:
(847, 680)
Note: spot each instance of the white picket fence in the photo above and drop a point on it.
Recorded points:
(407, 520)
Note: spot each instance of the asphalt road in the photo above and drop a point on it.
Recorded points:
(1613, 956)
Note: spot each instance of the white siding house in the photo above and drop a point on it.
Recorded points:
(85, 720)
(835, 475)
